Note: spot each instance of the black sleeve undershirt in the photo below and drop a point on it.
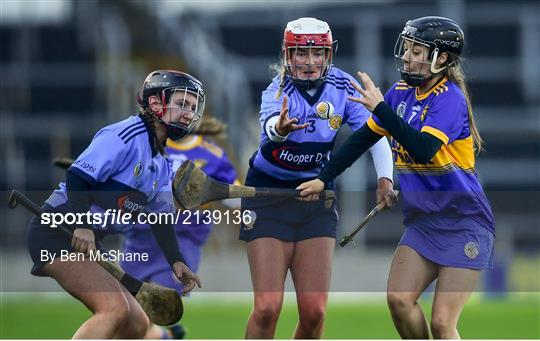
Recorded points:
(356, 145)
(421, 146)
(78, 193)
(165, 236)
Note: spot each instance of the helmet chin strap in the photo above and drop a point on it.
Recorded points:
(432, 68)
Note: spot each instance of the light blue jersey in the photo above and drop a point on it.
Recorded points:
(125, 170)
(304, 152)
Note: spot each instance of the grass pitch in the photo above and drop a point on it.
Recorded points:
(34, 316)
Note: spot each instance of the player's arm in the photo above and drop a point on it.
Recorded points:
(421, 145)
(384, 167)
(380, 152)
(77, 190)
(356, 145)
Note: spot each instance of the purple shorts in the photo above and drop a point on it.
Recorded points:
(453, 246)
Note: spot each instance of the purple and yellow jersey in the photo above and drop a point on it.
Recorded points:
(306, 151)
(213, 161)
(445, 191)
(125, 171)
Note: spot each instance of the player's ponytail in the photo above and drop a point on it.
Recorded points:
(456, 75)
(150, 119)
(279, 69)
(211, 126)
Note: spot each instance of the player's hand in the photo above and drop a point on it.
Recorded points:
(372, 95)
(83, 240)
(186, 276)
(309, 191)
(285, 125)
(385, 192)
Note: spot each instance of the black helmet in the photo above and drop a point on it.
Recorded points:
(164, 84)
(439, 34)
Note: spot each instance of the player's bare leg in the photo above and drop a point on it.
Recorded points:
(454, 287)
(116, 313)
(311, 271)
(269, 260)
(410, 274)
(154, 332)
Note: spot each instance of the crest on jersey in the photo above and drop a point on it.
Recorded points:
(200, 163)
(335, 121)
(401, 109)
(154, 185)
(137, 171)
(472, 250)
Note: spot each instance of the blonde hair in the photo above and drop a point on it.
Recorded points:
(279, 69)
(211, 126)
(456, 75)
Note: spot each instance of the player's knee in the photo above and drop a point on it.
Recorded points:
(442, 327)
(399, 303)
(138, 324)
(266, 313)
(312, 317)
(117, 313)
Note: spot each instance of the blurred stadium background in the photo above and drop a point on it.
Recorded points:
(71, 67)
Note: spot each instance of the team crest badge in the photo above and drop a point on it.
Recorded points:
(335, 122)
(401, 109)
(137, 171)
(472, 250)
(248, 218)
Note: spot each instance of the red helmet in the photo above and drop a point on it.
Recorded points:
(308, 33)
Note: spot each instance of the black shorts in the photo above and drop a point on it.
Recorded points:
(41, 238)
(290, 219)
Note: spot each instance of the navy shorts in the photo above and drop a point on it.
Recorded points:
(40, 238)
(290, 220)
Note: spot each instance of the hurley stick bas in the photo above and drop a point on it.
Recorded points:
(163, 306)
(380, 206)
(193, 188)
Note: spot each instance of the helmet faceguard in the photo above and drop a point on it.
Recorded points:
(309, 40)
(439, 35)
(181, 99)
(182, 111)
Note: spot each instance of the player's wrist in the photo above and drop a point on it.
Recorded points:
(279, 132)
(272, 131)
(384, 181)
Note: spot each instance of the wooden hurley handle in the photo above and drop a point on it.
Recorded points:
(133, 285)
(236, 191)
(363, 223)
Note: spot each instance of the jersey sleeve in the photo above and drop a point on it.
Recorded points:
(102, 158)
(376, 126)
(270, 105)
(225, 171)
(373, 121)
(446, 117)
(357, 114)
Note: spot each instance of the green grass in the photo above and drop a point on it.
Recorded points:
(42, 317)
